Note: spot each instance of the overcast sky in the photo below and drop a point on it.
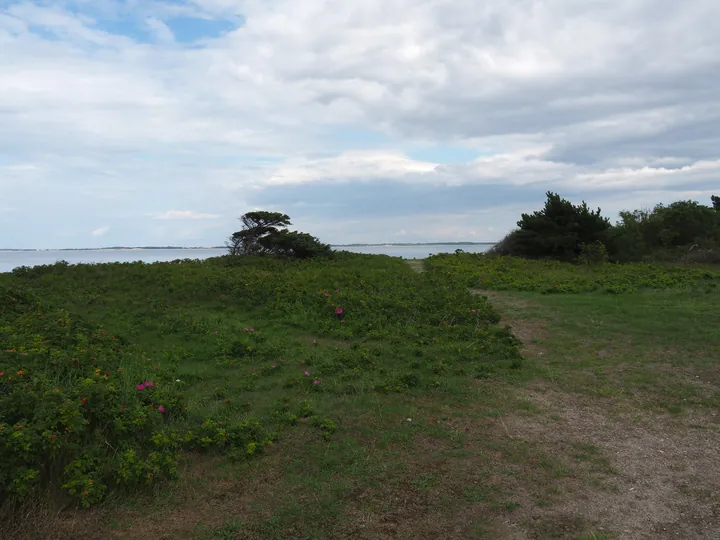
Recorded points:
(142, 122)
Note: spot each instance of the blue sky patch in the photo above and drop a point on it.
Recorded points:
(344, 137)
(443, 154)
(188, 30)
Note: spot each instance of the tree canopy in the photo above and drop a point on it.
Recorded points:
(665, 231)
(265, 233)
(559, 230)
(564, 231)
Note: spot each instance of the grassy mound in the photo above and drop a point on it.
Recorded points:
(108, 373)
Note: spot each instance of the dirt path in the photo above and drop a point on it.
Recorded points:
(665, 479)
(641, 473)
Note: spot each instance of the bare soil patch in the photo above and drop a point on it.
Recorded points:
(663, 479)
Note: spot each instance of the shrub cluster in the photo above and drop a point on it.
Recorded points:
(684, 231)
(73, 417)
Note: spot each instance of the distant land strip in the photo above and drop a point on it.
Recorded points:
(394, 244)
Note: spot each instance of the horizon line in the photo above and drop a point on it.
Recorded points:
(354, 244)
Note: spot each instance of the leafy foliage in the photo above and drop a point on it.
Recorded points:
(551, 277)
(557, 231)
(73, 416)
(294, 245)
(682, 231)
(265, 233)
(109, 373)
(593, 254)
(666, 232)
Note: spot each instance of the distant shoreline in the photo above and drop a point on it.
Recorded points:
(419, 244)
(149, 248)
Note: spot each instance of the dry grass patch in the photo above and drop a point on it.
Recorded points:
(661, 473)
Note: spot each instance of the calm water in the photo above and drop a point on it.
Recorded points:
(13, 259)
(416, 252)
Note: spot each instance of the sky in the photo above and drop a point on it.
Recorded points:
(148, 122)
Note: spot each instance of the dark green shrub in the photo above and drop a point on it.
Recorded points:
(557, 231)
(593, 254)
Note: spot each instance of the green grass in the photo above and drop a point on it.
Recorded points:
(657, 347)
(552, 277)
(646, 332)
(409, 427)
(236, 353)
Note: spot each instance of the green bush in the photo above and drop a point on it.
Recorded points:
(72, 416)
(558, 231)
(567, 232)
(666, 233)
(593, 254)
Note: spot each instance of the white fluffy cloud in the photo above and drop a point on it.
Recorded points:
(162, 31)
(105, 105)
(101, 231)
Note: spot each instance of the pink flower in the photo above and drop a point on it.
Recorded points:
(252, 329)
(327, 294)
(307, 373)
(314, 341)
(337, 290)
(338, 311)
(342, 321)
(474, 310)
(140, 386)
(246, 329)
(149, 384)
(316, 381)
(161, 409)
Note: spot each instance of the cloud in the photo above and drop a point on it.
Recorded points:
(106, 108)
(184, 215)
(346, 166)
(651, 177)
(160, 30)
(102, 231)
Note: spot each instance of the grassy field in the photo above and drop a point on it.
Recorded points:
(360, 398)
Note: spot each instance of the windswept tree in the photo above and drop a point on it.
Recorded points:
(265, 233)
(256, 226)
(716, 202)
